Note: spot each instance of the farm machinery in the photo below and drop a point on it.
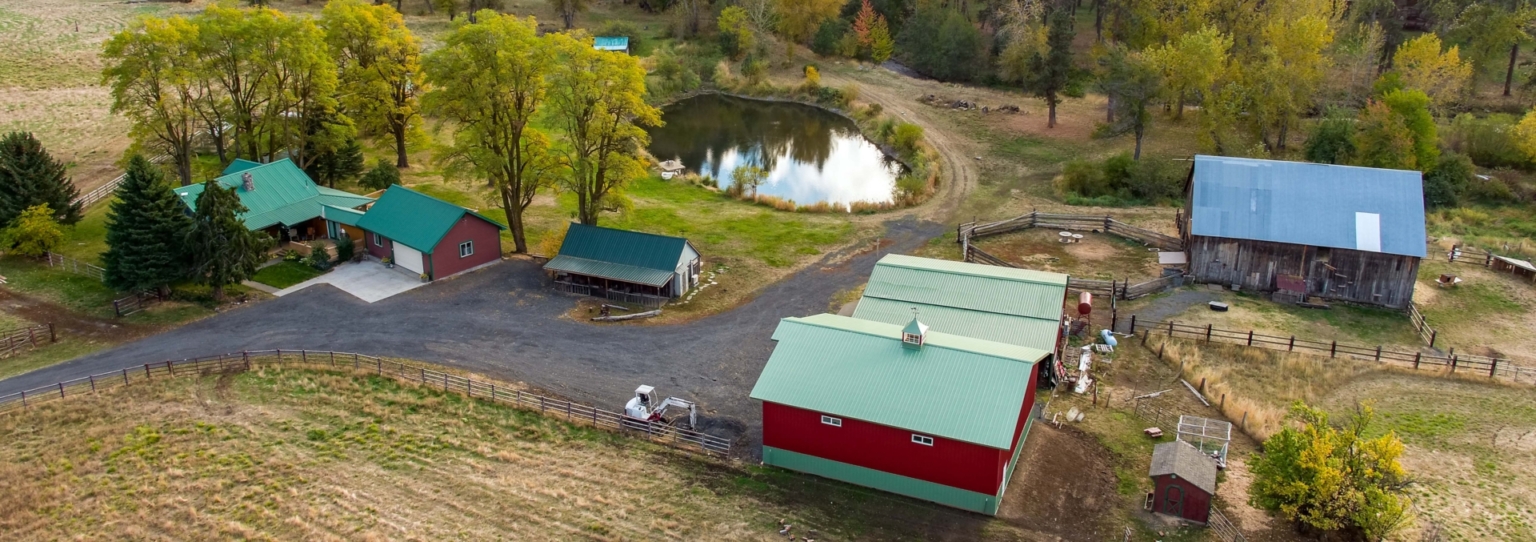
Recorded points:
(645, 407)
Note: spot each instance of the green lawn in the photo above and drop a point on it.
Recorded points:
(285, 274)
(88, 296)
(87, 239)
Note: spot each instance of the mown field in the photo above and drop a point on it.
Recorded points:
(290, 454)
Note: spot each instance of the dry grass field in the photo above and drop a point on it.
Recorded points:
(1471, 444)
(300, 454)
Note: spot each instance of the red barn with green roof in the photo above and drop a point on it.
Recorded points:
(424, 234)
(921, 413)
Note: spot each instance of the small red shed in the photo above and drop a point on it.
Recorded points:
(424, 234)
(1185, 480)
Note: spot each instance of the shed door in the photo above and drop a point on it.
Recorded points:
(1173, 501)
(408, 258)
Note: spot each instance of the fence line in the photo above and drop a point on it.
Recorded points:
(1491, 367)
(643, 300)
(13, 340)
(134, 303)
(105, 191)
(1070, 222)
(684, 439)
(1426, 333)
(1223, 527)
(75, 266)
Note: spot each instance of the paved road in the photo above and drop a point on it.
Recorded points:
(501, 321)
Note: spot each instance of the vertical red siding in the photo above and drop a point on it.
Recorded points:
(487, 238)
(1024, 411)
(1197, 503)
(952, 463)
(377, 252)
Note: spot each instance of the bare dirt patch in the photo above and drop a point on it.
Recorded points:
(1064, 485)
(1098, 256)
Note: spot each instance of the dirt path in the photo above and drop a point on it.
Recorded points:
(67, 322)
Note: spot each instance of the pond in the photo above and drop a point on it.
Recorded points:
(811, 155)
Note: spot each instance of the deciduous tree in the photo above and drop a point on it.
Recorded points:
(1423, 65)
(145, 228)
(1132, 82)
(153, 70)
(1413, 107)
(29, 177)
(381, 177)
(1495, 31)
(1384, 139)
(736, 36)
(33, 233)
(220, 249)
(1191, 64)
(597, 101)
(1332, 478)
(567, 10)
(1333, 142)
(379, 62)
(1285, 79)
(799, 19)
(490, 78)
(881, 45)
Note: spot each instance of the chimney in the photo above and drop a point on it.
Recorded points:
(914, 334)
(247, 182)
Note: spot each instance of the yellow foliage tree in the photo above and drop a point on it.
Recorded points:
(1525, 134)
(799, 19)
(1191, 64)
(1423, 65)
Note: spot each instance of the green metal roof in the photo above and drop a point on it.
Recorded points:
(283, 194)
(414, 219)
(239, 165)
(953, 387)
(1004, 328)
(632, 248)
(1015, 306)
(341, 215)
(609, 270)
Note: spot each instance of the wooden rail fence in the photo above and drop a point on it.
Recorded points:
(1491, 367)
(1115, 289)
(1224, 528)
(684, 439)
(105, 191)
(133, 303)
(1428, 334)
(641, 300)
(60, 261)
(13, 340)
(1068, 222)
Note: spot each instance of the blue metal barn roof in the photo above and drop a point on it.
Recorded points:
(1355, 208)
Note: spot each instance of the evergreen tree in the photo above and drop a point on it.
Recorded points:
(1052, 74)
(343, 163)
(145, 228)
(222, 251)
(1333, 142)
(29, 176)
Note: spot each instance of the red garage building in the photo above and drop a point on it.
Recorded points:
(920, 413)
(422, 233)
(1185, 479)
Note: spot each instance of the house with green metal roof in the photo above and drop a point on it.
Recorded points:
(907, 409)
(1004, 304)
(279, 198)
(595, 260)
(423, 234)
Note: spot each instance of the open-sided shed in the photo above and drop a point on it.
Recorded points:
(596, 260)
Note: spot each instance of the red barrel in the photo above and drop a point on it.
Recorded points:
(1085, 303)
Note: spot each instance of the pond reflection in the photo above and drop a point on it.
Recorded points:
(811, 155)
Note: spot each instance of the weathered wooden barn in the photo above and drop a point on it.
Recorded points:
(1349, 233)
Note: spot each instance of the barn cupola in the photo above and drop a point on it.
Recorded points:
(914, 334)
(247, 182)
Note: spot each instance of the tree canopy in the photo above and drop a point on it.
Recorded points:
(145, 228)
(29, 177)
(221, 251)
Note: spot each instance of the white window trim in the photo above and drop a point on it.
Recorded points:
(378, 240)
(834, 422)
(922, 439)
(467, 244)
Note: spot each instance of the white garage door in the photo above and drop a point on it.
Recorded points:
(408, 258)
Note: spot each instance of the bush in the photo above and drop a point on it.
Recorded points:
(318, 258)
(1119, 181)
(345, 249)
(1489, 141)
(829, 37)
(1333, 142)
(736, 36)
(292, 255)
(1447, 181)
(939, 42)
(906, 138)
(1492, 190)
(382, 176)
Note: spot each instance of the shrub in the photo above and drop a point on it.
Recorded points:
(292, 255)
(812, 78)
(318, 258)
(382, 176)
(736, 37)
(1119, 181)
(1333, 142)
(1489, 141)
(906, 138)
(345, 249)
(1492, 190)
(829, 37)
(33, 233)
(1445, 183)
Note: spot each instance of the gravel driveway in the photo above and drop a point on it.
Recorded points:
(501, 321)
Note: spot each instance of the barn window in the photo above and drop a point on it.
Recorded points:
(834, 422)
(466, 249)
(923, 440)
(378, 240)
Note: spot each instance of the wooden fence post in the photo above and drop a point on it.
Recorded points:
(1378, 352)
(1453, 363)
(1493, 365)
(61, 390)
(246, 355)
(1416, 357)
(93, 384)
(1133, 324)
(125, 376)
(1170, 328)
(1432, 334)
(1334, 349)
(1208, 328)
(1292, 347)
(23, 400)
(52, 338)
(1250, 337)
(146, 372)
(1114, 321)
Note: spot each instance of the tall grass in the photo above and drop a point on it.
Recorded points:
(1256, 384)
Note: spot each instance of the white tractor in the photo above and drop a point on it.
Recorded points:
(644, 407)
